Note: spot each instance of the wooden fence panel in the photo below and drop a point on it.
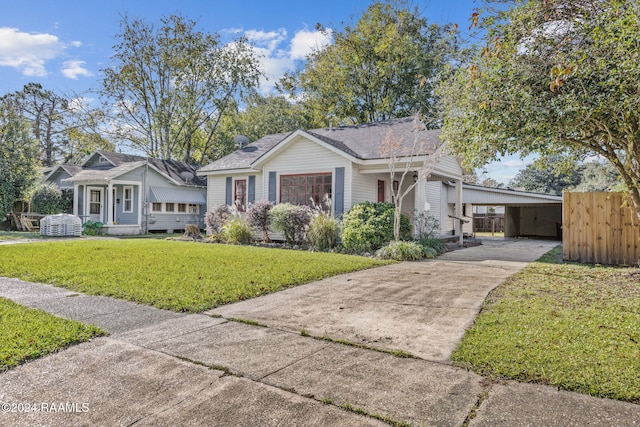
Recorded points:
(599, 228)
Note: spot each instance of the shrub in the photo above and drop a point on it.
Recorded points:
(401, 250)
(426, 225)
(215, 218)
(91, 228)
(236, 230)
(66, 201)
(47, 199)
(369, 226)
(323, 231)
(292, 220)
(258, 217)
(429, 252)
(433, 243)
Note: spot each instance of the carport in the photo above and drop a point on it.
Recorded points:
(526, 214)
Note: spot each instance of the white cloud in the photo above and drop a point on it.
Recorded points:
(276, 55)
(304, 42)
(76, 43)
(28, 52)
(74, 68)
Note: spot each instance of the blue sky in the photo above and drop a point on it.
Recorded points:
(64, 44)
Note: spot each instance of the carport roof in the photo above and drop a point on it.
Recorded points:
(479, 195)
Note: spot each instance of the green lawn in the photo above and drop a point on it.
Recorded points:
(19, 235)
(180, 276)
(573, 326)
(26, 333)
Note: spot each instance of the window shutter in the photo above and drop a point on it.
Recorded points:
(228, 195)
(338, 198)
(251, 196)
(272, 186)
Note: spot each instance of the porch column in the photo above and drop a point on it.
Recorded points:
(76, 188)
(109, 202)
(459, 211)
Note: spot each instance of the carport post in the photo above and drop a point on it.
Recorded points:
(459, 210)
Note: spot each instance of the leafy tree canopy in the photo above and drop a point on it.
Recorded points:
(382, 67)
(553, 77)
(172, 85)
(18, 156)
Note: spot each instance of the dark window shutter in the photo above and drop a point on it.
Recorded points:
(272, 186)
(251, 196)
(338, 197)
(228, 195)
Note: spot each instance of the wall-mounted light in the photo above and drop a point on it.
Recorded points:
(415, 177)
(117, 201)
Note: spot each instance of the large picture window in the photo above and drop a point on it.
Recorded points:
(305, 189)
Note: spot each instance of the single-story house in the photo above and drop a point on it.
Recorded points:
(348, 164)
(132, 194)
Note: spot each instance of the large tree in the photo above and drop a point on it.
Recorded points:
(18, 155)
(553, 77)
(383, 67)
(172, 85)
(50, 118)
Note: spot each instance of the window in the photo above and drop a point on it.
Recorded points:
(170, 207)
(156, 207)
(127, 196)
(240, 194)
(193, 209)
(95, 202)
(305, 189)
(182, 207)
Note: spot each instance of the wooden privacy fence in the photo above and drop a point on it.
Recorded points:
(599, 228)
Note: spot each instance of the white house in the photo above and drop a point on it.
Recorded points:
(347, 163)
(132, 194)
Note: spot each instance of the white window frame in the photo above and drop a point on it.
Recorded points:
(193, 208)
(185, 205)
(166, 208)
(153, 209)
(125, 200)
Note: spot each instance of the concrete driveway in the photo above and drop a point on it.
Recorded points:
(421, 307)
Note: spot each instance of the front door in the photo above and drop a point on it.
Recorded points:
(380, 191)
(95, 204)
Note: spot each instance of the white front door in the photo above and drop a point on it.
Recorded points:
(95, 204)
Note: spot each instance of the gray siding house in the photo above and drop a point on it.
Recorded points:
(132, 194)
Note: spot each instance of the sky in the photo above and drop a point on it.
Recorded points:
(64, 44)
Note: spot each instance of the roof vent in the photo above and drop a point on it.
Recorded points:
(187, 176)
(241, 140)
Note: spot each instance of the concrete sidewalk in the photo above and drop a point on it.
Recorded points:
(165, 368)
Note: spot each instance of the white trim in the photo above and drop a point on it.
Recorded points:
(124, 198)
(289, 139)
(87, 211)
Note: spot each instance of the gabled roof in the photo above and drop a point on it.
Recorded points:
(360, 142)
(69, 168)
(180, 172)
(116, 159)
(92, 175)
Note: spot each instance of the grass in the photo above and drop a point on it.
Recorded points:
(573, 326)
(19, 235)
(180, 276)
(27, 333)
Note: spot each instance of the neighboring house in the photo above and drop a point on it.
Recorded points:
(345, 163)
(132, 194)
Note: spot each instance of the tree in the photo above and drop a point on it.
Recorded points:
(599, 176)
(18, 155)
(543, 176)
(172, 85)
(48, 114)
(553, 77)
(409, 163)
(383, 67)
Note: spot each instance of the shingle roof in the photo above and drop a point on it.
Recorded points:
(126, 162)
(364, 142)
(242, 158)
